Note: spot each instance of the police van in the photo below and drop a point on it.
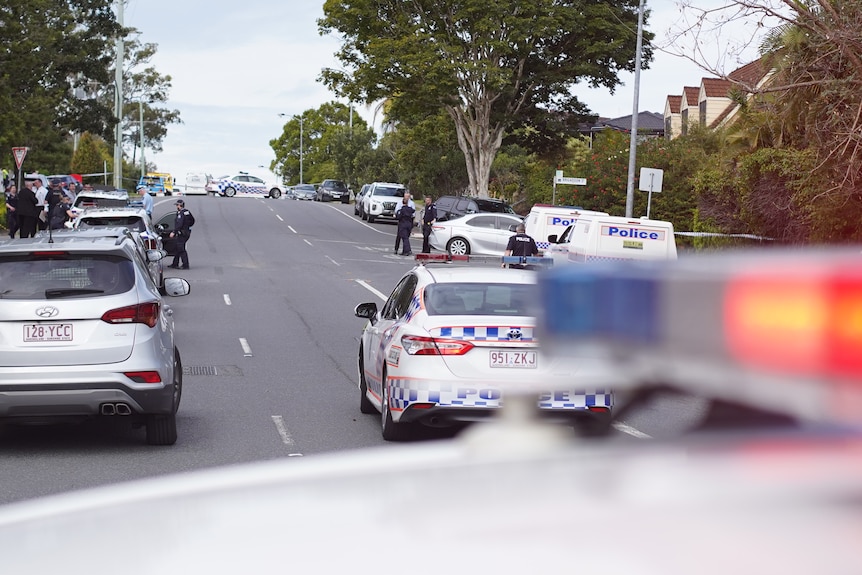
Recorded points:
(545, 220)
(604, 237)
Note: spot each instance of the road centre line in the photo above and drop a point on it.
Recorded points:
(286, 438)
(333, 261)
(227, 299)
(620, 426)
(371, 289)
(290, 227)
(308, 242)
(245, 347)
(279, 217)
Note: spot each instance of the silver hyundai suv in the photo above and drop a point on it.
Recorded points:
(85, 332)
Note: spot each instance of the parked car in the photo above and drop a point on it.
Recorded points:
(86, 332)
(244, 184)
(357, 204)
(482, 233)
(381, 199)
(212, 184)
(330, 190)
(304, 191)
(449, 207)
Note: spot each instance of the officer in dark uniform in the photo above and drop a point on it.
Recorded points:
(404, 215)
(182, 231)
(429, 217)
(521, 245)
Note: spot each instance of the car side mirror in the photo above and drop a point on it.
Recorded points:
(513, 228)
(366, 311)
(552, 239)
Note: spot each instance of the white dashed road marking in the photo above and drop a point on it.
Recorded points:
(227, 299)
(245, 347)
(371, 289)
(619, 426)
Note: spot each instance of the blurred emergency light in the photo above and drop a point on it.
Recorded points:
(743, 324)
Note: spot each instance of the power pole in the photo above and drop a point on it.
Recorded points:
(118, 103)
(633, 142)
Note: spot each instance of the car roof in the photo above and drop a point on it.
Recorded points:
(117, 211)
(104, 194)
(109, 239)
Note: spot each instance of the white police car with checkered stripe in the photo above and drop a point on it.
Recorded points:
(244, 184)
(451, 341)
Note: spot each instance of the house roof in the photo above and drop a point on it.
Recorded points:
(716, 87)
(691, 94)
(647, 122)
(751, 74)
(674, 103)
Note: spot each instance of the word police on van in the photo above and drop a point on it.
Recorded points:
(545, 220)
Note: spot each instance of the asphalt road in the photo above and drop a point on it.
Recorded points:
(268, 341)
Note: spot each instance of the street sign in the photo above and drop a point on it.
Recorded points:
(19, 154)
(650, 180)
(571, 181)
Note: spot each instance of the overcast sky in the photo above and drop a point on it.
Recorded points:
(235, 66)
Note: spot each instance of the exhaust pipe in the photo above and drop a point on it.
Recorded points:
(115, 409)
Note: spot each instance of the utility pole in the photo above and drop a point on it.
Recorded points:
(118, 103)
(633, 142)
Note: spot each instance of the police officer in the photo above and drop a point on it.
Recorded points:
(28, 210)
(404, 215)
(429, 218)
(182, 231)
(521, 245)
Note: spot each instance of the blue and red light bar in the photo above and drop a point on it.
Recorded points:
(449, 258)
(761, 318)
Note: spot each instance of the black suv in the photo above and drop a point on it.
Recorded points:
(333, 190)
(450, 207)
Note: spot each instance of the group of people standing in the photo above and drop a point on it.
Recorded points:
(405, 214)
(36, 207)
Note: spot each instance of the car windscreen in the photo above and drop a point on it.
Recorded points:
(57, 274)
(389, 191)
(479, 299)
(498, 207)
(134, 223)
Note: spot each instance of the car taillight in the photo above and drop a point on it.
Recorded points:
(418, 345)
(146, 313)
(144, 376)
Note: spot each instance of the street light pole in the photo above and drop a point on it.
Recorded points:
(118, 103)
(633, 141)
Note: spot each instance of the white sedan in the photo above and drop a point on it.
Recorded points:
(451, 340)
(244, 184)
(479, 234)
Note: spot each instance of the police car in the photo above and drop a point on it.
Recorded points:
(452, 340)
(244, 184)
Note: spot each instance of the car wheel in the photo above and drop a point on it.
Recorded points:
(275, 193)
(365, 405)
(345, 199)
(162, 429)
(458, 247)
(390, 430)
(229, 192)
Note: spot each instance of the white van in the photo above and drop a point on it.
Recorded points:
(196, 183)
(546, 220)
(605, 238)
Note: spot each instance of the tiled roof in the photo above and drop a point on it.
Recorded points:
(716, 88)
(647, 121)
(691, 95)
(675, 103)
(749, 75)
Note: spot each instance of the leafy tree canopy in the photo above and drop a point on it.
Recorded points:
(489, 64)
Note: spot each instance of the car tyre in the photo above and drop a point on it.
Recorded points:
(345, 199)
(162, 429)
(458, 247)
(371, 218)
(365, 405)
(229, 192)
(275, 193)
(390, 430)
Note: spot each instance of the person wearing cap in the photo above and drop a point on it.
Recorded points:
(146, 199)
(182, 231)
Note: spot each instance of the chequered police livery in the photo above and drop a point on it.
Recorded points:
(451, 342)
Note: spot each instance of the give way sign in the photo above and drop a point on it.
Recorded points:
(19, 154)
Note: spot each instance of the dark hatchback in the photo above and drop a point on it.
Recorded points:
(333, 190)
